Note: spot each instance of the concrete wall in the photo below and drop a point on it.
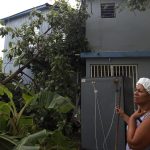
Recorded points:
(128, 31)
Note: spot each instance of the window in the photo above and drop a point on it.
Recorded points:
(108, 10)
(99, 71)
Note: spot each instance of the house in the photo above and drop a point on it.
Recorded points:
(15, 21)
(119, 43)
(118, 39)
(120, 50)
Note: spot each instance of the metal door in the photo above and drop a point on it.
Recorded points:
(101, 128)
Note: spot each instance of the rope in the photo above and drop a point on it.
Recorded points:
(95, 127)
(100, 116)
(95, 91)
(110, 127)
(118, 100)
(102, 126)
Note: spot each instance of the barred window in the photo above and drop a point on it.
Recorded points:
(99, 71)
(108, 10)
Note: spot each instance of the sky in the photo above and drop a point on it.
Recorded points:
(11, 7)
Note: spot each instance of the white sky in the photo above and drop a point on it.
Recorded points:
(11, 7)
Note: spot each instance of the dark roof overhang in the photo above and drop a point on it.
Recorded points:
(116, 54)
(45, 6)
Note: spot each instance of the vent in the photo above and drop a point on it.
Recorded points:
(99, 71)
(108, 10)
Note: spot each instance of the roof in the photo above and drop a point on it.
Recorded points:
(116, 54)
(26, 12)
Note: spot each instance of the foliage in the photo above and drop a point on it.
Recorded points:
(51, 111)
(7, 142)
(9, 114)
(140, 5)
(53, 56)
(50, 100)
(50, 54)
(40, 140)
(1, 62)
(44, 100)
(31, 142)
(56, 140)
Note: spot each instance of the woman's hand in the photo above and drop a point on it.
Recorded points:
(122, 114)
(138, 113)
(120, 111)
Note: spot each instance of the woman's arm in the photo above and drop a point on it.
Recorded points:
(122, 114)
(138, 138)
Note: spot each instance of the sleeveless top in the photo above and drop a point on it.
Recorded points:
(142, 118)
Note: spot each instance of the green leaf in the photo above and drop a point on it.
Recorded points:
(31, 140)
(4, 109)
(3, 123)
(45, 98)
(4, 89)
(61, 104)
(27, 98)
(6, 142)
(29, 148)
(10, 44)
(2, 22)
(59, 137)
(61, 142)
(66, 107)
(26, 121)
(1, 90)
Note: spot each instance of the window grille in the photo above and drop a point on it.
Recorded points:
(99, 71)
(108, 10)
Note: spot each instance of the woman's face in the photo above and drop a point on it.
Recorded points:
(141, 96)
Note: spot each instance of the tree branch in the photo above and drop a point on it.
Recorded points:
(8, 79)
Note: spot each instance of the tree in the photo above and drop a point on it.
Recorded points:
(140, 5)
(51, 55)
(1, 62)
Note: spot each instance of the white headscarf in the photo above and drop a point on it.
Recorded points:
(145, 82)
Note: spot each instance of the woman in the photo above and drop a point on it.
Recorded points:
(138, 130)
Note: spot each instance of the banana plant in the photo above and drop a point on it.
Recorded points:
(51, 100)
(7, 142)
(9, 114)
(31, 141)
(55, 141)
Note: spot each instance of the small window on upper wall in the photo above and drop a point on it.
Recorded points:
(108, 10)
